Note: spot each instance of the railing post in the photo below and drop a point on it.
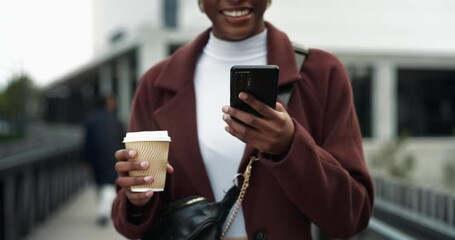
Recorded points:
(451, 211)
(10, 207)
(26, 202)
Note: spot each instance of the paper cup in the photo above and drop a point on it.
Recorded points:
(151, 146)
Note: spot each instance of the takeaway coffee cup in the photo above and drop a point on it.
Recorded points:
(151, 146)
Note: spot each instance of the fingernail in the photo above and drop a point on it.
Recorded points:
(149, 193)
(132, 153)
(243, 96)
(144, 164)
(228, 129)
(148, 179)
(225, 117)
(225, 109)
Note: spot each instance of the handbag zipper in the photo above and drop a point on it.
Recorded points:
(190, 201)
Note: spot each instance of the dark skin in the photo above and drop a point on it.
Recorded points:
(232, 20)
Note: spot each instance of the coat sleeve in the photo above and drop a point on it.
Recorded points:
(328, 181)
(121, 219)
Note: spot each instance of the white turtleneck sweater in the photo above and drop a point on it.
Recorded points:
(221, 151)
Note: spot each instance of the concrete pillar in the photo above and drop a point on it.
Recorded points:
(105, 78)
(151, 51)
(385, 101)
(124, 94)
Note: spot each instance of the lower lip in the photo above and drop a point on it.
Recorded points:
(238, 20)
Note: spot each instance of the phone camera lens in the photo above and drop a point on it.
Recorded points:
(244, 80)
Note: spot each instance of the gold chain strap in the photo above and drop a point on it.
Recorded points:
(238, 203)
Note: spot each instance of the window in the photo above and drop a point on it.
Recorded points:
(172, 47)
(426, 102)
(361, 79)
(170, 13)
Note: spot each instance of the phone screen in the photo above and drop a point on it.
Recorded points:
(258, 80)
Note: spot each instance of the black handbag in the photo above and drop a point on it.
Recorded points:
(193, 217)
(196, 218)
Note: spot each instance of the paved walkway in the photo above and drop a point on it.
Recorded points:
(76, 220)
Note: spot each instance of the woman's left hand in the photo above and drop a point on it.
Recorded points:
(271, 134)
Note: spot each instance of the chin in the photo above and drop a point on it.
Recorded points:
(238, 34)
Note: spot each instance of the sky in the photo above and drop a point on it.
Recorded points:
(45, 39)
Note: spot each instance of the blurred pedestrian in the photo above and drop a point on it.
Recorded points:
(103, 136)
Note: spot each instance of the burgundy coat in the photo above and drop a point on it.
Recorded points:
(323, 179)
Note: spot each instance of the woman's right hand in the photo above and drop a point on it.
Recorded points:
(126, 164)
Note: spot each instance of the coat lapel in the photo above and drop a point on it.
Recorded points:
(178, 114)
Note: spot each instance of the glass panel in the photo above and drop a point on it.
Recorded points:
(361, 79)
(172, 47)
(170, 13)
(426, 102)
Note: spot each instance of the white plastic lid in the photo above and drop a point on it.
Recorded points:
(147, 136)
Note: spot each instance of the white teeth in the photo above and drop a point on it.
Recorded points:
(236, 13)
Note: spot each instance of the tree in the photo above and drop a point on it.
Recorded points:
(15, 101)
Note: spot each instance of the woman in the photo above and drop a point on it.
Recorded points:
(311, 166)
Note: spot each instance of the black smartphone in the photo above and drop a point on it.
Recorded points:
(261, 81)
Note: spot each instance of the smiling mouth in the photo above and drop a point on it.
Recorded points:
(236, 13)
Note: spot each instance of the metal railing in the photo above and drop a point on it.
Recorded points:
(418, 211)
(35, 182)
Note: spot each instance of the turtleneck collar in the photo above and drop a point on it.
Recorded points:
(243, 50)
